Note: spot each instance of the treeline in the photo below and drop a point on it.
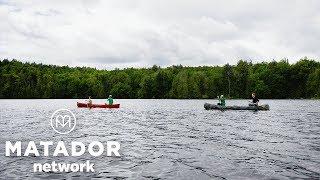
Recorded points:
(267, 79)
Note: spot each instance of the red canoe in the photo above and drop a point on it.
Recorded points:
(85, 105)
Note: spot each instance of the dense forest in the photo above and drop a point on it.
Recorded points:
(268, 79)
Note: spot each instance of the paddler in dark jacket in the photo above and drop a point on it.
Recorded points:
(255, 100)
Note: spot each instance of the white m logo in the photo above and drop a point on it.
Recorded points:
(63, 121)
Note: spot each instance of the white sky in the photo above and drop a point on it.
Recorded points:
(141, 33)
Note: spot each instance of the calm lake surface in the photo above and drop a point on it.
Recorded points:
(172, 139)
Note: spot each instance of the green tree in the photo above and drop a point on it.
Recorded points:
(148, 88)
(180, 86)
(313, 84)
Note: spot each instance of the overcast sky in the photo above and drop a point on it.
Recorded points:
(140, 33)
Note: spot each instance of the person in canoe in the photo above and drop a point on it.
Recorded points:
(89, 102)
(110, 100)
(255, 100)
(222, 101)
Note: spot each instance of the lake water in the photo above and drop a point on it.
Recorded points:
(172, 139)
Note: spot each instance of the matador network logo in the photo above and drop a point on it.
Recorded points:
(63, 121)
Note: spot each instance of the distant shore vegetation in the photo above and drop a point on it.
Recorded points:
(270, 80)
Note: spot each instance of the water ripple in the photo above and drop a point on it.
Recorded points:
(172, 139)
